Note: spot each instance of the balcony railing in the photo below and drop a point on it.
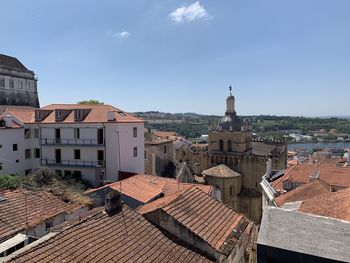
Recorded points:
(69, 163)
(75, 142)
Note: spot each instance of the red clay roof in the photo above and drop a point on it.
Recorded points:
(97, 114)
(165, 134)
(145, 188)
(123, 237)
(23, 209)
(329, 172)
(217, 224)
(303, 192)
(331, 204)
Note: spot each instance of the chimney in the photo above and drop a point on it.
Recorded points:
(8, 121)
(113, 202)
(268, 168)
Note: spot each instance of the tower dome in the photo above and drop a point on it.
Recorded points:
(230, 122)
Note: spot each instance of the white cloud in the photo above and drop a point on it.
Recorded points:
(124, 34)
(189, 13)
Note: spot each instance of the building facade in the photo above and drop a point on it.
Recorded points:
(18, 85)
(98, 143)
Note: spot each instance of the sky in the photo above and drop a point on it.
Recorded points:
(288, 57)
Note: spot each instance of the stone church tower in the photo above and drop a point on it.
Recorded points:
(18, 85)
(232, 144)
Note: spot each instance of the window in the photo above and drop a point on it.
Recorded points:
(77, 175)
(12, 84)
(27, 133)
(231, 190)
(78, 114)
(2, 82)
(17, 161)
(100, 157)
(164, 150)
(134, 131)
(229, 146)
(29, 171)
(27, 153)
(145, 155)
(37, 153)
(38, 115)
(48, 224)
(135, 151)
(59, 114)
(21, 85)
(36, 133)
(1, 166)
(14, 147)
(76, 133)
(77, 154)
(221, 145)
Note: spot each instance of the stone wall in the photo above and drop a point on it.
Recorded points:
(156, 159)
(19, 98)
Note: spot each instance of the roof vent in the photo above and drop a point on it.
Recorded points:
(2, 199)
(111, 116)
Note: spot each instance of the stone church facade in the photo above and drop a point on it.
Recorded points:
(233, 145)
(18, 85)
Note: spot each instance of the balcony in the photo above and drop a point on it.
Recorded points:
(69, 163)
(73, 142)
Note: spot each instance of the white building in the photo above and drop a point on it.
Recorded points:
(98, 143)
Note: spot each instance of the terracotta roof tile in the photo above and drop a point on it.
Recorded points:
(331, 204)
(202, 215)
(23, 209)
(165, 134)
(304, 192)
(123, 237)
(145, 188)
(97, 114)
(220, 170)
(329, 172)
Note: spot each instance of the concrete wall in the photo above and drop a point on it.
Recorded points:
(15, 162)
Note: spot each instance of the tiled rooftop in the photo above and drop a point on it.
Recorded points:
(151, 139)
(11, 62)
(303, 192)
(212, 221)
(165, 134)
(220, 171)
(96, 114)
(123, 237)
(331, 204)
(145, 188)
(22, 209)
(329, 172)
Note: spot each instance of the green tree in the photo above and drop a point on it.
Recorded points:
(90, 102)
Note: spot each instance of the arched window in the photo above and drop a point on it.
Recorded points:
(229, 146)
(221, 145)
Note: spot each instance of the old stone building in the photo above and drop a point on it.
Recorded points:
(159, 156)
(18, 85)
(233, 145)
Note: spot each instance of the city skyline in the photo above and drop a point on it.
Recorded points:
(287, 58)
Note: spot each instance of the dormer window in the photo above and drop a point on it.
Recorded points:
(59, 114)
(37, 115)
(78, 114)
(122, 113)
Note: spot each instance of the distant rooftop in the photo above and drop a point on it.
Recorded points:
(11, 62)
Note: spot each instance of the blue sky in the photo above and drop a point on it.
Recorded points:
(281, 57)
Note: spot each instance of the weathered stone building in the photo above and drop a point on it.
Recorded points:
(159, 156)
(232, 144)
(18, 85)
